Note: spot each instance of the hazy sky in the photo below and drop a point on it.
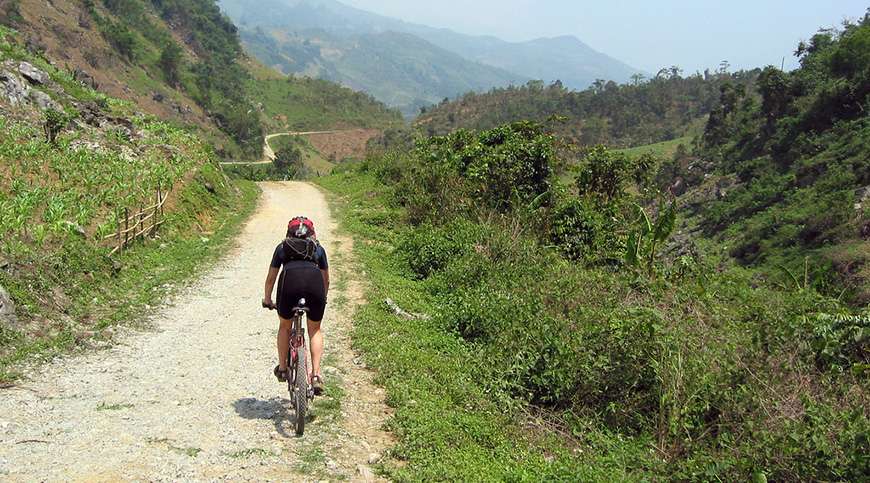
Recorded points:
(645, 34)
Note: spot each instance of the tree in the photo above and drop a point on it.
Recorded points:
(170, 62)
(288, 159)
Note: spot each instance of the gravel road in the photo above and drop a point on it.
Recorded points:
(192, 397)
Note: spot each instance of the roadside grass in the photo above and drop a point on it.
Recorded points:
(310, 460)
(103, 292)
(448, 426)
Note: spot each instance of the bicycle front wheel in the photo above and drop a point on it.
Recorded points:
(301, 397)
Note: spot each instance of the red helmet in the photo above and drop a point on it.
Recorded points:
(300, 227)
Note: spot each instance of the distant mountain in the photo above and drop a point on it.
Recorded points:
(398, 69)
(319, 37)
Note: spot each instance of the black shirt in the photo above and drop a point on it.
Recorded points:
(279, 258)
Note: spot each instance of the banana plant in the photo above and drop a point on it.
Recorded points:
(643, 244)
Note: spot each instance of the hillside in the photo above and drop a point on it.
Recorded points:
(401, 70)
(593, 326)
(80, 173)
(561, 58)
(792, 168)
(305, 104)
(622, 115)
(180, 61)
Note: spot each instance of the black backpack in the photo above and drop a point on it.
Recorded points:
(304, 249)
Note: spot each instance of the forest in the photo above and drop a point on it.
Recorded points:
(645, 111)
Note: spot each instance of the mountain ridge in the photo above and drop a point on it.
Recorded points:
(565, 57)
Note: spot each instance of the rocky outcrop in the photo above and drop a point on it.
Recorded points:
(32, 74)
(13, 87)
(85, 78)
(43, 100)
(7, 309)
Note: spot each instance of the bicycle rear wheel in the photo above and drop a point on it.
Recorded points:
(301, 385)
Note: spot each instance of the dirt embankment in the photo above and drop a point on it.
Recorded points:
(339, 145)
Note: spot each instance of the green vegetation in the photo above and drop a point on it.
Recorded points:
(113, 407)
(303, 104)
(60, 199)
(563, 341)
(214, 78)
(793, 163)
(663, 108)
(662, 150)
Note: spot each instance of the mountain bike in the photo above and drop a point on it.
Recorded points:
(297, 365)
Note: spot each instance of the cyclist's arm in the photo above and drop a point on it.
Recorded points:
(270, 284)
(325, 274)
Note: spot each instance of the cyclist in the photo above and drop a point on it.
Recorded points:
(304, 273)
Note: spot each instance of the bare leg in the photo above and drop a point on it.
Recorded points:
(284, 342)
(315, 336)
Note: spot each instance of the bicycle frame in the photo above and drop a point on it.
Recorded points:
(297, 342)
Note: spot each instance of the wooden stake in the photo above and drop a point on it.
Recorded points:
(118, 217)
(126, 227)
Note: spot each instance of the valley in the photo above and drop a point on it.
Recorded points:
(546, 265)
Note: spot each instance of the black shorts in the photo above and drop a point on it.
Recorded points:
(301, 280)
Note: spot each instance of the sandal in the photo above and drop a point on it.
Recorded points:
(280, 374)
(317, 385)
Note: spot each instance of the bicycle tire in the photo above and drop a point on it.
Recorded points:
(301, 398)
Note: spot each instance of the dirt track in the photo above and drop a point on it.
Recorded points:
(268, 153)
(193, 398)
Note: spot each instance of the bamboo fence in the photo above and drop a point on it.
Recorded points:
(140, 223)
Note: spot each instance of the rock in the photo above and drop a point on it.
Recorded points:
(85, 78)
(43, 100)
(84, 21)
(13, 87)
(331, 465)
(374, 458)
(31, 73)
(861, 195)
(7, 308)
(157, 97)
(75, 228)
(678, 188)
(209, 187)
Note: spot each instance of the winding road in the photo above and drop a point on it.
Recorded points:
(268, 153)
(193, 397)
